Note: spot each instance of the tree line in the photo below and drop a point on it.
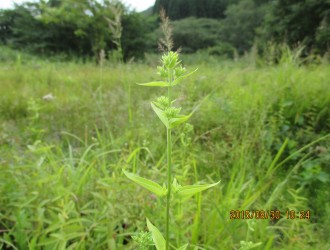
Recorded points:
(84, 28)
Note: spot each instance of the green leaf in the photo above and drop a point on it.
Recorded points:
(156, 236)
(160, 114)
(188, 191)
(155, 84)
(147, 184)
(179, 79)
(174, 122)
(184, 247)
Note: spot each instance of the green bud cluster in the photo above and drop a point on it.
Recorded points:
(144, 240)
(162, 71)
(172, 112)
(163, 102)
(170, 62)
(179, 71)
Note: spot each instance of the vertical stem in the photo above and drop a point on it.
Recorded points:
(169, 170)
(169, 180)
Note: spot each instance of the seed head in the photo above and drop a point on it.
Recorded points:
(166, 43)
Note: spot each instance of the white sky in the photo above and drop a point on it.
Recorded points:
(138, 5)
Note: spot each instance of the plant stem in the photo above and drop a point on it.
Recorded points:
(169, 180)
(169, 170)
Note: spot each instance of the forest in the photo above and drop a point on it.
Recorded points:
(82, 28)
(193, 124)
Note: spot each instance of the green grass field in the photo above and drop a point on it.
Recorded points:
(264, 132)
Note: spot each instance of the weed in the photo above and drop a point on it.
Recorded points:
(173, 73)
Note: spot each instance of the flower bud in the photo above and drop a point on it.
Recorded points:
(170, 60)
(162, 71)
(172, 112)
(179, 71)
(163, 102)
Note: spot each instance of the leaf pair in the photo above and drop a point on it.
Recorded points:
(170, 123)
(167, 84)
(183, 192)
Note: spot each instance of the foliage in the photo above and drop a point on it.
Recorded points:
(236, 31)
(180, 9)
(193, 34)
(296, 23)
(222, 49)
(61, 182)
(241, 23)
(138, 36)
(22, 28)
(40, 27)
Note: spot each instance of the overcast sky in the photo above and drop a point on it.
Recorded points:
(138, 5)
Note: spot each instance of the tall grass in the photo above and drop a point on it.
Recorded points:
(61, 185)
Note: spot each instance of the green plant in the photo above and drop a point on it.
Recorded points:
(172, 73)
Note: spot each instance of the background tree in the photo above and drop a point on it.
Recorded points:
(299, 22)
(81, 27)
(241, 23)
(179, 9)
(88, 19)
(139, 35)
(192, 34)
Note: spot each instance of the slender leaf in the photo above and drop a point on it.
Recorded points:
(174, 122)
(160, 114)
(155, 84)
(156, 236)
(187, 191)
(179, 79)
(147, 184)
(277, 157)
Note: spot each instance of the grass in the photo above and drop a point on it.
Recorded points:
(61, 185)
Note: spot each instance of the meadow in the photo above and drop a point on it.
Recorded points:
(263, 130)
